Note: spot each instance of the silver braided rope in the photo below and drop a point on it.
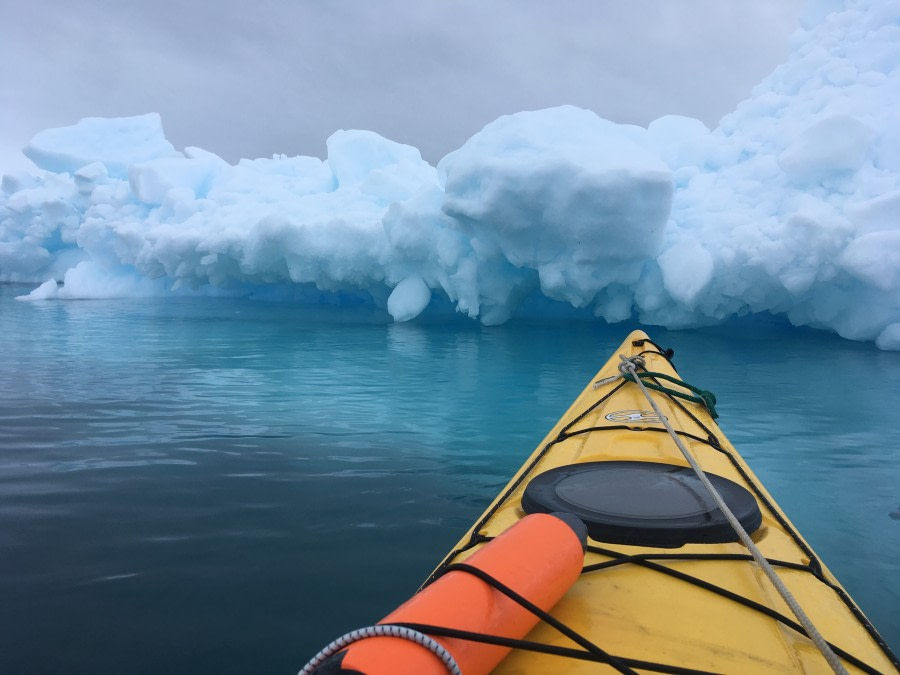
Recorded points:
(385, 630)
(813, 633)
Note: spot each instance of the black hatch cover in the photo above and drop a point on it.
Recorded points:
(642, 503)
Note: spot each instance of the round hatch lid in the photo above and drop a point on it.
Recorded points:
(642, 503)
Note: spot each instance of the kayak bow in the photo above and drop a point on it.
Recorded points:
(664, 581)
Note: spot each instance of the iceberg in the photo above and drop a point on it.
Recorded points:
(789, 207)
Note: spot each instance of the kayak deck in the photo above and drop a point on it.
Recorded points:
(696, 606)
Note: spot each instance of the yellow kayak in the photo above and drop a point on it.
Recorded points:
(665, 580)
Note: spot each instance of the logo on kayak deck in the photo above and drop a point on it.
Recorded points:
(646, 416)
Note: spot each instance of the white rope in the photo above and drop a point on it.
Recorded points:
(384, 630)
(811, 630)
(607, 380)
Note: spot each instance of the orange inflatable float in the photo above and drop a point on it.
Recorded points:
(539, 558)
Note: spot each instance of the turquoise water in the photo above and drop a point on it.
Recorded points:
(222, 485)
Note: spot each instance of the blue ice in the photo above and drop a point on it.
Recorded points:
(789, 207)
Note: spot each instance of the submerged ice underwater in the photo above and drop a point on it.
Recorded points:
(161, 457)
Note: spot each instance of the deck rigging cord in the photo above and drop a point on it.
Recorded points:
(629, 366)
(702, 396)
(383, 630)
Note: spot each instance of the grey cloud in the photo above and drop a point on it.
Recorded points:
(252, 79)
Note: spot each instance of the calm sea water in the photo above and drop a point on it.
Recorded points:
(226, 485)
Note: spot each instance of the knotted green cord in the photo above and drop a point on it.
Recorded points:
(703, 397)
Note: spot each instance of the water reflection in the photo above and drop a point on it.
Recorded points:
(213, 468)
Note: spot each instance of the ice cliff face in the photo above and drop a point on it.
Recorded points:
(791, 206)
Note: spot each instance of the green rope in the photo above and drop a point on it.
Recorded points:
(705, 398)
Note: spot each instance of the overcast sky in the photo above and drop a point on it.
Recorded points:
(249, 79)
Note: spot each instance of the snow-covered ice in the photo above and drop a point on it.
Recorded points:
(791, 206)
